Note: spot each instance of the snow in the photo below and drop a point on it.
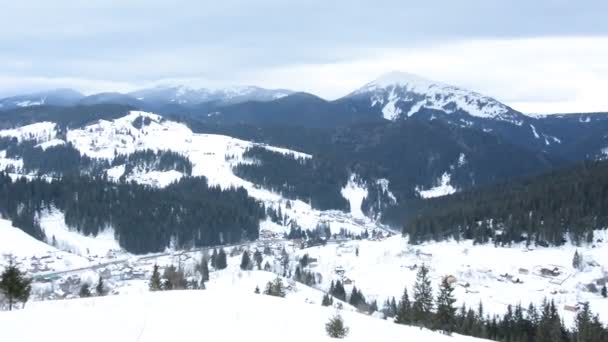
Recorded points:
(195, 315)
(534, 132)
(442, 189)
(53, 224)
(115, 172)
(40, 132)
(355, 193)
(9, 162)
(51, 143)
(384, 268)
(462, 159)
(28, 251)
(422, 93)
(390, 111)
(28, 103)
(384, 185)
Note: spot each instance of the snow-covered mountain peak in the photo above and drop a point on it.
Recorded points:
(401, 95)
(398, 79)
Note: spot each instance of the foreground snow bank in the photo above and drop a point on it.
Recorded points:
(211, 315)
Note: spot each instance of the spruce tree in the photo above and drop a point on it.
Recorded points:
(604, 291)
(258, 258)
(214, 259)
(100, 289)
(245, 261)
(14, 285)
(155, 281)
(446, 313)
(327, 300)
(204, 269)
(221, 261)
(335, 328)
(85, 291)
(576, 261)
(423, 297)
(403, 313)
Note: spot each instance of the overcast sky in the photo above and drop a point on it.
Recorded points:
(537, 56)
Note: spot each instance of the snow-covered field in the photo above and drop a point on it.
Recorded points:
(203, 315)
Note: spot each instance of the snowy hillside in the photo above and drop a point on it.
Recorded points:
(497, 276)
(212, 315)
(212, 156)
(401, 95)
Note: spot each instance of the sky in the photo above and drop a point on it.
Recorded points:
(542, 56)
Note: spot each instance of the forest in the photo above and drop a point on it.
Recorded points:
(145, 219)
(545, 210)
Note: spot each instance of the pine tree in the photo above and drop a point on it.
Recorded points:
(258, 258)
(278, 287)
(423, 297)
(335, 328)
(155, 281)
(446, 313)
(604, 291)
(85, 291)
(100, 289)
(327, 300)
(214, 259)
(403, 312)
(576, 261)
(245, 261)
(14, 285)
(221, 261)
(204, 269)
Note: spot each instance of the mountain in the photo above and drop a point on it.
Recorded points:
(111, 98)
(187, 96)
(399, 95)
(55, 97)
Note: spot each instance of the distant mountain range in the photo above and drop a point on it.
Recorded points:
(393, 97)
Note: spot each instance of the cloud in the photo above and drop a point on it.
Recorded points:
(541, 55)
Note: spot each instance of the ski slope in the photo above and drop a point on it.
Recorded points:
(197, 315)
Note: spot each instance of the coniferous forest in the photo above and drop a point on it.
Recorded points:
(145, 219)
(544, 210)
(315, 181)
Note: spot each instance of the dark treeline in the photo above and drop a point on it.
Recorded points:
(310, 180)
(543, 210)
(72, 117)
(145, 219)
(148, 160)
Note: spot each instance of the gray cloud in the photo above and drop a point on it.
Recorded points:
(141, 41)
